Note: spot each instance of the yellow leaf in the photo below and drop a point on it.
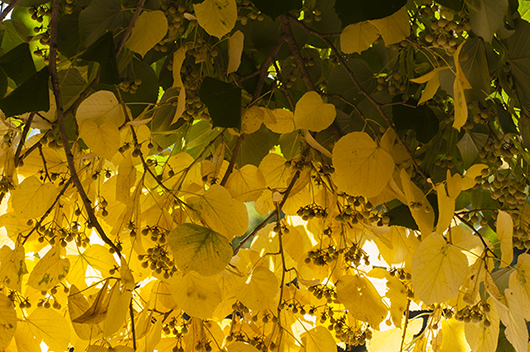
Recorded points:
(95, 256)
(32, 198)
(104, 139)
(240, 346)
(251, 119)
(423, 214)
(446, 208)
(318, 339)
(395, 27)
(49, 271)
(396, 293)
(278, 120)
(471, 174)
(453, 338)
(117, 311)
(512, 317)
(127, 278)
(8, 321)
(50, 327)
(246, 184)
(149, 30)
(181, 105)
(461, 83)
(217, 17)
(438, 270)
(482, 338)
(361, 167)
(235, 49)
(77, 305)
(357, 293)
(126, 178)
(312, 113)
(505, 236)
(258, 290)
(199, 248)
(220, 212)
(520, 283)
(276, 173)
(197, 295)
(454, 184)
(430, 89)
(186, 174)
(403, 244)
(429, 76)
(390, 340)
(358, 37)
(97, 312)
(470, 244)
(12, 267)
(100, 107)
(178, 59)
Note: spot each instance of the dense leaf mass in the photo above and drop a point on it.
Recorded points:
(287, 175)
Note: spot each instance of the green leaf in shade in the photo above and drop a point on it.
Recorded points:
(518, 46)
(200, 249)
(421, 119)
(31, 96)
(3, 83)
(353, 11)
(68, 40)
(18, 64)
(103, 52)
(223, 101)
(29, 3)
(253, 148)
(72, 84)
(14, 33)
(505, 119)
(455, 5)
(147, 92)
(486, 17)
(275, 8)
(475, 69)
(401, 216)
(470, 145)
(102, 16)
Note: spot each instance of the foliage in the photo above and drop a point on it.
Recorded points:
(384, 145)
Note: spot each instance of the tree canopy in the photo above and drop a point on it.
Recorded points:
(264, 175)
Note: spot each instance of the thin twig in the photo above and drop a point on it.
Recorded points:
(264, 70)
(232, 163)
(25, 132)
(62, 128)
(8, 9)
(130, 27)
(133, 330)
(468, 224)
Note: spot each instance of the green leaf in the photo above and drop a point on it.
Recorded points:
(14, 33)
(103, 52)
(68, 39)
(254, 147)
(147, 92)
(353, 11)
(31, 96)
(18, 63)
(476, 70)
(72, 84)
(102, 16)
(401, 216)
(486, 17)
(505, 119)
(223, 101)
(470, 145)
(199, 248)
(275, 8)
(29, 3)
(3, 83)
(421, 119)
(455, 5)
(518, 46)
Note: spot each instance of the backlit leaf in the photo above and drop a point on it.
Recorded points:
(312, 113)
(438, 270)
(50, 327)
(197, 295)
(32, 198)
(12, 267)
(49, 271)
(278, 120)
(104, 139)
(482, 338)
(318, 339)
(395, 27)
(217, 17)
(258, 290)
(520, 283)
(199, 248)
(459, 86)
(356, 293)
(150, 29)
(453, 338)
(512, 317)
(235, 49)
(361, 167)
(8, 321)
(246, 184)
(102, 106)
(505, 236)
(358, 37)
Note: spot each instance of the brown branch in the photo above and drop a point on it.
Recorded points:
(232, 163)
(284, 86)
(130, 27)
(468, 224)
(8, 9)
(131, 312)
(360, 89)
(25, 132)
(62, 128)
(263, 72)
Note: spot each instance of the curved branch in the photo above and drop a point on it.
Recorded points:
(130, 27)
